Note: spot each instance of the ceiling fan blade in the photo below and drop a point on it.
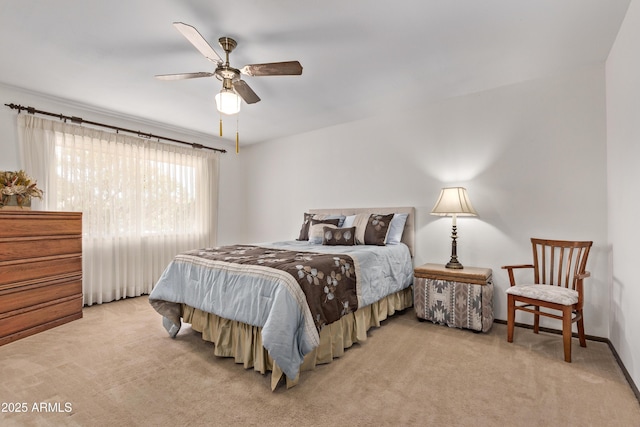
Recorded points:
(183, 76)
(198, 41)
(289, 68)
(245, 92)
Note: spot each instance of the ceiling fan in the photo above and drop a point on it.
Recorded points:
(232, 85)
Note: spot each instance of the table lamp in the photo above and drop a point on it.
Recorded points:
(453, 201)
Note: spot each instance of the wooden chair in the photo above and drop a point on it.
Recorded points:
(558, 272)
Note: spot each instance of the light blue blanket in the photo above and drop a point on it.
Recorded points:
(272, 299)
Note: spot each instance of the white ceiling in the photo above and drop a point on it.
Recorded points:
(360, 57)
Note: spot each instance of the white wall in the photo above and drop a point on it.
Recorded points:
(623, 152)
(231, 204)
(531, 155)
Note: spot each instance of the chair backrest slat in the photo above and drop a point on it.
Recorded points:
(571, 269)
(559, 262)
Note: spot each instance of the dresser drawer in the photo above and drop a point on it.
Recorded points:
(14, 249)
(22, 271)
(29, 295)
(40, 223)
(28, 321)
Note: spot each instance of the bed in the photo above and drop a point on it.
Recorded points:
(288, 306)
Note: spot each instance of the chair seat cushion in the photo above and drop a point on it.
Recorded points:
(549, 293)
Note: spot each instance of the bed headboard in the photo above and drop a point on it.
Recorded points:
(408, 235)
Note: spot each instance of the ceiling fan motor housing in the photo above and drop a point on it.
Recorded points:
(225, 72)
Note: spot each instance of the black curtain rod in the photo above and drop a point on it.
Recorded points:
(80, 120)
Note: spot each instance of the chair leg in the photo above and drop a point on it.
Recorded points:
(566, 332)
(536, 320)
(511, 316)
(583, 341)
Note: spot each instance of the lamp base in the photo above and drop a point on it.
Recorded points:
(454, 264)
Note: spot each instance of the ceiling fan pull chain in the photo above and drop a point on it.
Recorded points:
(237, 136)
(220, 115)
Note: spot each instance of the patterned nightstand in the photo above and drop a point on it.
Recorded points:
(458, 298)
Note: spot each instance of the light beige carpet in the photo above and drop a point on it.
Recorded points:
(118, 367)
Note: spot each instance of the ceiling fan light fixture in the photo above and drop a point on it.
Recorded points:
(228, 102)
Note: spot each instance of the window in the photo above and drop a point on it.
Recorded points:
(142, 201)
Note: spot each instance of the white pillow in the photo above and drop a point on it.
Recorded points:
(348, 221)
(394, 235)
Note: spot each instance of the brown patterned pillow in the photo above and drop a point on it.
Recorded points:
(339, 236)
(304, 230)
(317, 229)
(377, 228)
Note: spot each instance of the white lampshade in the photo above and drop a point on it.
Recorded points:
(228, 102)
(453, 201)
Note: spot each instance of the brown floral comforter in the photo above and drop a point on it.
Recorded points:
(327, 280)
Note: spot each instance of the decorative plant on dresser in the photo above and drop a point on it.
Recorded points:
(40, 271)
(16, 190)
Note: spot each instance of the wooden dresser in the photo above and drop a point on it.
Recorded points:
(40, 271)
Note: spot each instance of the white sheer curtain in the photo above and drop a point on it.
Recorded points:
(142, 201)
